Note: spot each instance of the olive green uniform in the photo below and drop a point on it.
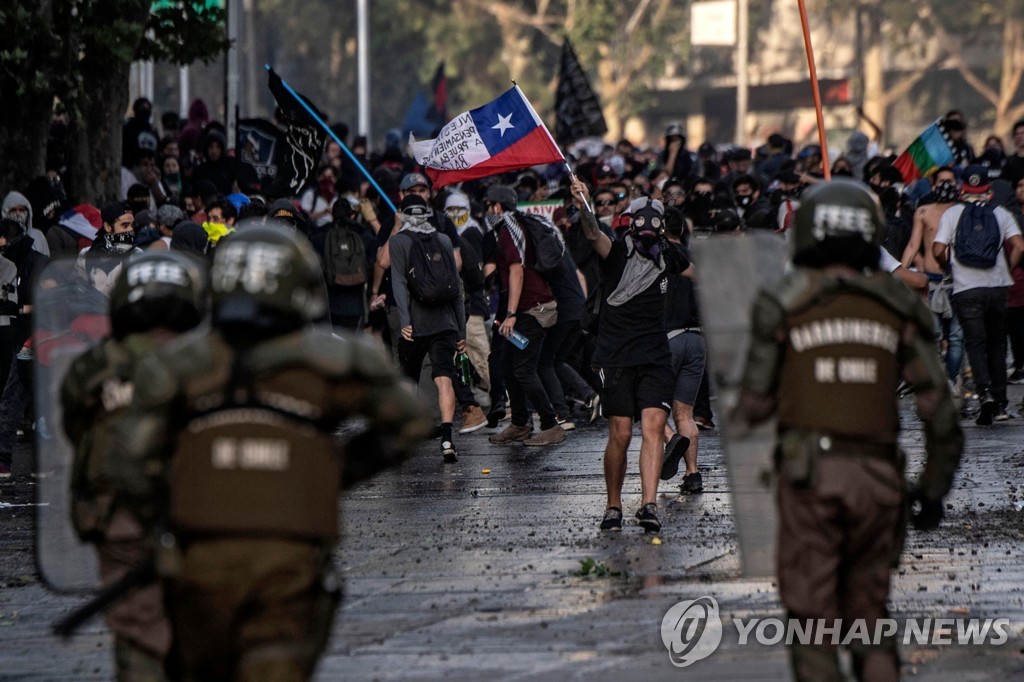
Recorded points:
(96, 391)
(829, 348)
(239, 448)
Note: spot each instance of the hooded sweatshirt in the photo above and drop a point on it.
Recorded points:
(18, 199)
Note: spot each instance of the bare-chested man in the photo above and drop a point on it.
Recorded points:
(918, 253)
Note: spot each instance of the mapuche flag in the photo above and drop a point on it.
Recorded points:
(930, 150)
(577, 108)
(504, 135)
(304, 141)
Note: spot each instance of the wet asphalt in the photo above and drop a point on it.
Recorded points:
(451, 572)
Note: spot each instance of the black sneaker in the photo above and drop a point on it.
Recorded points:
(1016, 377)
(612, 519)
(674, 451)
(448, 451)
(692, 484)
(988, 409)
(647, 516)
(1002, 415)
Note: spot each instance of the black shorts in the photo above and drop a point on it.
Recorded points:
(628, 391)
(687, 365)
(441, 348)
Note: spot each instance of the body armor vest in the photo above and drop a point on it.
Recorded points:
(841, 369)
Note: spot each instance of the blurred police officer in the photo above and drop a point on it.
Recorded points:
(156, 297)
(231, 438)
(830, 344)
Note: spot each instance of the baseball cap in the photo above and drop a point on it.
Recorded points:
(975, 180)
(674, 130)
(169, 215)
(111, 212)
(414, 205)
(413, 179)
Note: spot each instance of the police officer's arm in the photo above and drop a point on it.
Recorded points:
(398, 418)
(760, 375)
(588, 222)
(142, 439)
(944, 440)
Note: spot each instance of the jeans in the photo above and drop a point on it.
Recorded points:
(571, 380)
(13, 404)
(549, 376)
(982, 314)
(521, 375)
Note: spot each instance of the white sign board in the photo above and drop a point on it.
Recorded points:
(713, 23)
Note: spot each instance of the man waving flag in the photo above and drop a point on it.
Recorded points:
(504, 135)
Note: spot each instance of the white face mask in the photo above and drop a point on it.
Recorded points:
(606, 220)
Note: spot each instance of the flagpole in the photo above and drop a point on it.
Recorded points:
(341, 144)
(814, 90)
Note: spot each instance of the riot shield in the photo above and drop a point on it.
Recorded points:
(70, 314)
(730, 271)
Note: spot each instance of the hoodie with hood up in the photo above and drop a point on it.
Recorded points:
(18, 199)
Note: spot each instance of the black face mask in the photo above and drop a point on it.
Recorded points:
(743, 202)
(890, 199)
(699, 208)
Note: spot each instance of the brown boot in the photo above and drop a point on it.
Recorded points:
(511, 434)
(556, 434)
(473, 418)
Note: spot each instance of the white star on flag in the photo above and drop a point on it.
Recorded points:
(503, 124)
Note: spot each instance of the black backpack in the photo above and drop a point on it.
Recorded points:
(344, 256)
(431, 273)
(548, 246)
(978, 239)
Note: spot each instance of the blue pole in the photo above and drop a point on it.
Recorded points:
(341, 144)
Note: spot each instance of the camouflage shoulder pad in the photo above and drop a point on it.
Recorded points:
(767, 315)
(321, 351)
(798, 289)
(891, 292)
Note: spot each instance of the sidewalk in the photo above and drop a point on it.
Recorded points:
(456, 574)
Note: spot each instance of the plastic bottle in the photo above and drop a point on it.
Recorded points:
(516, 339)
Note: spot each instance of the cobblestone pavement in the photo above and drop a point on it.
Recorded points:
(457, 574)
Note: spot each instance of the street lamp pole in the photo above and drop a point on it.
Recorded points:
(363, 67)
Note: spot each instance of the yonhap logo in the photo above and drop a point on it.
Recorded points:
(691, 631)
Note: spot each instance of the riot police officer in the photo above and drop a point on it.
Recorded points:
(156, 297)
(231, 439)
(830, 344)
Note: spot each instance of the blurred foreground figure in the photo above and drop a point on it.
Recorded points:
(155, 298)
(229, 445)
(830, 345)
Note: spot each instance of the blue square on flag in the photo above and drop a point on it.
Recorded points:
(504, 121)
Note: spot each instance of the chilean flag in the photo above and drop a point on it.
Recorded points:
(505, 135)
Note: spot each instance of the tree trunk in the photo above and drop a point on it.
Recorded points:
(875, 105)
(95, 142)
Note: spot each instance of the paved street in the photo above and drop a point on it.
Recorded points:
(457, 574)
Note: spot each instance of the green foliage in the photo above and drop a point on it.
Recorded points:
(591, 569)
(184, 34)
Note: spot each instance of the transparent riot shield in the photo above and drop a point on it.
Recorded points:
(70, 314)
(730, 271)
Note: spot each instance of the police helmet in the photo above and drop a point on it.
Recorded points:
(841, 207)
(266, 279)
(157, 289)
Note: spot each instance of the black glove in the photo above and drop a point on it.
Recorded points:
(8, 308)
(925, 513)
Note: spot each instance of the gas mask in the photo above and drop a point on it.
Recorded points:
(646, 227)
(744, 201)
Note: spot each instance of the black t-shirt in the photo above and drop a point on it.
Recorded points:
(473, 270)
(633, 333)
(1013, 169)
(681, 309)
(565, 285)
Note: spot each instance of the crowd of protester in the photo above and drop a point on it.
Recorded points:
(581, 328)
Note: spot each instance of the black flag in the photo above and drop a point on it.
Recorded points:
(260, 144)
(578, 112)
(304, 140)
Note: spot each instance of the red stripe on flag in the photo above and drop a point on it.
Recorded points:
(534, 149)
